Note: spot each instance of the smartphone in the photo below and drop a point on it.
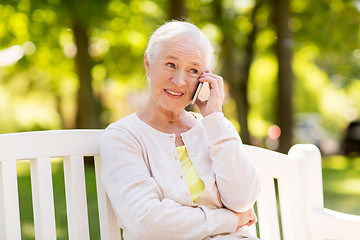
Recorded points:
(196, 94)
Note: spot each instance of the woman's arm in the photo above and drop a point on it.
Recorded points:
(139, 204)
(236, 178)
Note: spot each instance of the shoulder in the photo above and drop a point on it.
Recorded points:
(124, 130)
(126, 122)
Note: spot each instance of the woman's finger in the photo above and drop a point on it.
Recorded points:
(219, 79)
(215, 84)
(216, 98)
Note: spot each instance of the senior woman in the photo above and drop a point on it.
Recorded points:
(173, 174)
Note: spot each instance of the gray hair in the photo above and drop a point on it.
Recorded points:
(170, 30)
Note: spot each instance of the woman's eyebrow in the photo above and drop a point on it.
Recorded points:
(196, 63)
(171, 57)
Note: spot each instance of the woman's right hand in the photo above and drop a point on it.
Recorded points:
(216, 98)
(247, 218)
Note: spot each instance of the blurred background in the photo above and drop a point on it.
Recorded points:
(292, 67)
(292, 70)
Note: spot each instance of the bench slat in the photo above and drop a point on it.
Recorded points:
(108, 223)
(267, 208)
(76, 205)
(292, 206)
(9, 202)
(43, 199)
(53, 143)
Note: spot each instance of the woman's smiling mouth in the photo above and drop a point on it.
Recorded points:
(173, 93)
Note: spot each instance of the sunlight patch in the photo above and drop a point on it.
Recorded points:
(348, 186)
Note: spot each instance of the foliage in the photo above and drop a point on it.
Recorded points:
(39, 91)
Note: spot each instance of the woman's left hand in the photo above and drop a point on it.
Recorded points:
(216, 98)
(247, 218)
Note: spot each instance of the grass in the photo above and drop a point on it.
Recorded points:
(341, 182)
(341, 179)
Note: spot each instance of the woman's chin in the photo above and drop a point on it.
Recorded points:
(174, 108)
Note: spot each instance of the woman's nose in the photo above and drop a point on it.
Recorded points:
(179, 78)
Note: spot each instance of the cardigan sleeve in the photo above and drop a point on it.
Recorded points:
(138, 202)
(236, 178)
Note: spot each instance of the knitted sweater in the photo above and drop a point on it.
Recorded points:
(146, 187)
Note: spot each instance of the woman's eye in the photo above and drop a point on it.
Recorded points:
(194, 71)
(170, 65)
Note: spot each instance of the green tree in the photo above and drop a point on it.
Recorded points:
(111, 38)
(281, 13)
(177, 9)
(326, 66)
(41, 90)
(237, 72)
(82, 17)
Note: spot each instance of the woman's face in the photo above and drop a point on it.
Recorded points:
(174, 73)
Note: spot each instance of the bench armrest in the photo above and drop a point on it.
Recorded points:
(336, 225)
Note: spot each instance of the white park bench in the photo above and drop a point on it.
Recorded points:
(290, 206)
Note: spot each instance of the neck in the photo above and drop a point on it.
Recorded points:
(156, 114)
(166, 121)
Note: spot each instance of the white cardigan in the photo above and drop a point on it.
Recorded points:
(144, 180)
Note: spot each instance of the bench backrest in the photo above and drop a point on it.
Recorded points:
(39, 148)
(280, 207)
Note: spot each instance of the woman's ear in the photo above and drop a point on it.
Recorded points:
(147, 64)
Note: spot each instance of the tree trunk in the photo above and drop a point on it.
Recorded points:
(177, 9)
(243, 78)
(237, 75)
(88, 108)
(285, 74)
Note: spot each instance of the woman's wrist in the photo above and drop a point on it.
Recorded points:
(209, 112)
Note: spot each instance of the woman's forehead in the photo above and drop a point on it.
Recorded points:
(184, 49)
